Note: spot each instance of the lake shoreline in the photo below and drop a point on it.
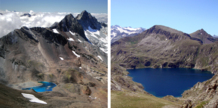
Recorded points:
(162, 69)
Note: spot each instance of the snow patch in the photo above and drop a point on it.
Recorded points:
(113, 34)
(55, 31)
(125, 31)
(61, 58)
(72, 33)
(92, 32)
(100, 57)
(103, 40)
(76, 54)
(133, 29)
(102, 49)
(32, 98)
(70, 39)
(79, 40)
(88, 33)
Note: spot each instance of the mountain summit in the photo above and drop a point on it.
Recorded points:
(69, 23)
(203, 36)
(86, 26)
(87, 20)
(84, 15)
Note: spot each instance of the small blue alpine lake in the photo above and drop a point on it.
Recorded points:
(46, 86)
(168, 81)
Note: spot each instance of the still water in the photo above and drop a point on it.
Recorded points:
(168, 81)
(46, 86)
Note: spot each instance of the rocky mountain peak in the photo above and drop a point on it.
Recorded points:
(202, 32)
(69, 23)
(87, 20)
(84, 15)
(69, 16)
(164, 28)
(203, 35)
(84, 12)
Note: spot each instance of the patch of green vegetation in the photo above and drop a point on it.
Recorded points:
(122, 99)
(97, 70)
(51, 75)
(40, 75)
(68, 73)
(133, 42)
(201, 105)
(204, 61)
(71, 75)
(34, 63)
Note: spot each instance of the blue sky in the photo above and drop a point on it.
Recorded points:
(183, 15)
(75, 6)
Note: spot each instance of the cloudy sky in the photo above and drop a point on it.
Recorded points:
(74, 6)
(45, 12)
(184, 15)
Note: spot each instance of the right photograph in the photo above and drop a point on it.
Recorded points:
(164, 54)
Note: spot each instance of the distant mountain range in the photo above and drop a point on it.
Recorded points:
(118, 32)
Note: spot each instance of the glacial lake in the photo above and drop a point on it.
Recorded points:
(46, 86)
(168, 81)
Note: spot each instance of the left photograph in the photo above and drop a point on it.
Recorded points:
(53, 54)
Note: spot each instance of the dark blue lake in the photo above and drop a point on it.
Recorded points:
(168, 81)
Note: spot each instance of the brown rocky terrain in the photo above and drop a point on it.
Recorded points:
(164, 47)
(60, 54)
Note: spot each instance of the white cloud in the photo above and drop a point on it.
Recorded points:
(9, 22)
(31, 12)
(101, 17)
(12, 20)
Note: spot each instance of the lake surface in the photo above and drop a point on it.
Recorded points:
(168, 81)
(46, 86)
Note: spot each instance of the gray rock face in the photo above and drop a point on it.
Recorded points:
(86, 26)
(69, 23)
(87, 20)
(95, 31)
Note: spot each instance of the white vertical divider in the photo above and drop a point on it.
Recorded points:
(109, 53)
